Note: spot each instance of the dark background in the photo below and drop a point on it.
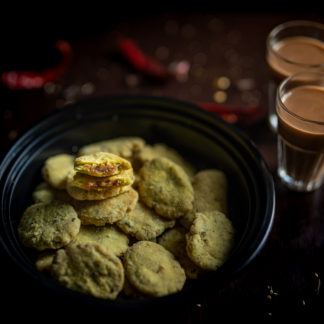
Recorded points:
(284, 280)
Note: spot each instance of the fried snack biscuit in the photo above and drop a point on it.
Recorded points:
(143, 223)
(210, 192)
(152, 269)
(210, 187)
(82, 194)
(121, 146)
(56, 169)
(109, 236)
(174, 240)
(101, 164)
(48, 225)
(149, 152)
(45, 193)
(44, 260)
(166, 188)
(131, 291)
(86, 182)
(89, 268)
(210, 239)
(106, 211)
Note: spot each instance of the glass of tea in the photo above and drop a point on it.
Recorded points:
(292, 47)
(300, 112)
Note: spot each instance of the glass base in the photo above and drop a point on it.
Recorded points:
(295, 185)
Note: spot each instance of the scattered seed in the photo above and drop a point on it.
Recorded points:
(245, 84)
(162, 53)
(50, 88)
(87, 88)
(12, 134)
(131, 80)
(220, 96)
(318, 286)
(71, 92)
(222, 83)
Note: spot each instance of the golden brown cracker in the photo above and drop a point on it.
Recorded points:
(92, 194)
(166, 188)
(149, 152)
(174, 240)
(210, 193)
(87, 182)
(109, 236)
(106, 211)
(152, 269)
(48, 225)
(210, 239)
(89, 268)
(122, 146)
(56, 169)
(210, 190)
(101, 164)
(143, 223)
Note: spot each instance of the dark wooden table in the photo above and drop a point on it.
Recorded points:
(284, 280)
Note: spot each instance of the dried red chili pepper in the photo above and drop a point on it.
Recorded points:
(232, 114)
(32, 79)
(140, 61)
(226, 109)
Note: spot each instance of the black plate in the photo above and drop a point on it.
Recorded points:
(202, 138)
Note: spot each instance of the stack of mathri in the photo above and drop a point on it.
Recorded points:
(144, 220)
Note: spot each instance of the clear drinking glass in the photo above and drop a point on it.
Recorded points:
(300, 112)
(292, 47)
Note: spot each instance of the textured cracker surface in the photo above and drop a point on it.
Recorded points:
(106, 211)
(149, 152)
(101, 164)
(210, 188)
(89, 268)
(109, 236)
(174, 240)
(87, 182)
(45, 193)
(48, 225)
(143, 223)
(122, 146)
(166, 188)
(152, 269)
(210, 193)
(94, 194)
(210, 239)
(56, 169)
